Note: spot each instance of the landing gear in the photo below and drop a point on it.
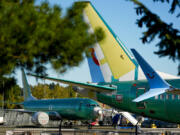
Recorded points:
(60, 125)
(89, 126)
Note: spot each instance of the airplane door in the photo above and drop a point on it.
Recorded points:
(140, 91)
(50, 107)
(80, 106)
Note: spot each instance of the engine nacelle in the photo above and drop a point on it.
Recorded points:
(54, 116)
(40, 118)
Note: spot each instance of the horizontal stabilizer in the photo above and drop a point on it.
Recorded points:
(97, 88)
(8, 102)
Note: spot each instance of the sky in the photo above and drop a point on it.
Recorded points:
(120, 15)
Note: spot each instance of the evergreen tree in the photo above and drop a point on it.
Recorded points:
(9, 98)
(33, 35)
(169, 37)
(46, 91)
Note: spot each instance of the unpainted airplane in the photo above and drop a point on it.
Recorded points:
(57, 109)
(123, 82)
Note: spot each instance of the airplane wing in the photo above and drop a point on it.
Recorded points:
(97, 88)
(20, 110)
(53, 115)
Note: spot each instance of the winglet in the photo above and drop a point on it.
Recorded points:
(156, 83)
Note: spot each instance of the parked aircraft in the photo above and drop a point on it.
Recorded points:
(119, 81)
(57, 109)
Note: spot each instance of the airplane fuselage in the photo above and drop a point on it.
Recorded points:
(163, 107)
(72, 109)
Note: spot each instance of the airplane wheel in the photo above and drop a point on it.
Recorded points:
(89, 126)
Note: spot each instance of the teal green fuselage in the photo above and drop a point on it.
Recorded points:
(71, 109)
(163, 107)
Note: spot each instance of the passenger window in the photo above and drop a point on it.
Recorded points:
(167, 96)
(173, 97)
(161, 96)
(156, 97)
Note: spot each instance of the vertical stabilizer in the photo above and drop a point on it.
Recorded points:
(154, 80)
(156, 83)
(111, 56)
(26, 89)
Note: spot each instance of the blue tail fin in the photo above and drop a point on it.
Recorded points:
(26, 89)
(157, 84)
(94, 67)
(155, 81)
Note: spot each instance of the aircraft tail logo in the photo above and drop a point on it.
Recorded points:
(94, 57)
(94, 67)
(151, 76)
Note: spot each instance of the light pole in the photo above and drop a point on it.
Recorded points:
(3, 96)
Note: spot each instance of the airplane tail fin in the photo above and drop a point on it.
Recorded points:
(156, 83)
(26, 88)
(110, 60)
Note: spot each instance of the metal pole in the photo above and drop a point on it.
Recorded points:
(3, 97)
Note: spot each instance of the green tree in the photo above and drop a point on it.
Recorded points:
(169, 37)
(33, 35)
(52, 91)
(40, 91)
(14, 95)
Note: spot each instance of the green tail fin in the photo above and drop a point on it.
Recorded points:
(26, 88)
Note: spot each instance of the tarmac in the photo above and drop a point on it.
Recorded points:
(97, 130)
(65, 131)
(14, 125)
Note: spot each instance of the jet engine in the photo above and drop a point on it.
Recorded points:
(54, 116)
(40, 118)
